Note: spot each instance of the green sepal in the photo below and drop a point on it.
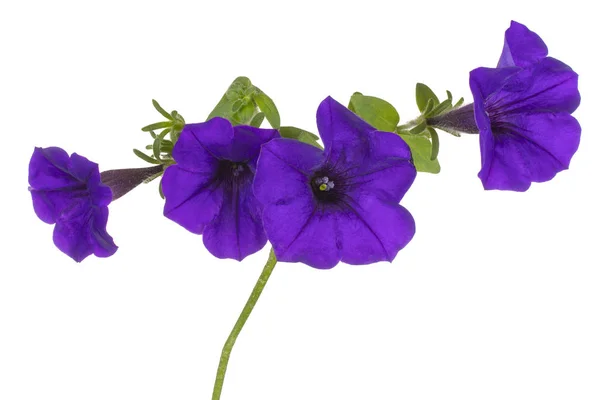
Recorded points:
(423, 93)
(435, 143)
(459, 102)
(440, 108)
(244, 115)
(419, 128)
(420, 148)
(375, 111)
(267, 106)
(145, 157)
(257, 120)
(300, 135)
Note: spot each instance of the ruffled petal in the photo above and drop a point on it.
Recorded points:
(373, 230)
(237, 231)
(522, 47)
(247, 141)
(389, 171)
(83, 169)
(49, 204)
(344, 134)
(530, 148)
(81, 231)
(549, 86)
(284, 170)
(49, 169)
(192, 199)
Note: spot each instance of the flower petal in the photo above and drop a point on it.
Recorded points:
(49, 169)
(301, 232)
(237, 231)
(49, 204)
(373, 230)
(284, 170)
(531, 148)
(199, 144)
(549, 86)
(522, 47)
(486, 81)
(81, 231)
(247, 141)
(344, 134)
(389, 171)
(193, 199)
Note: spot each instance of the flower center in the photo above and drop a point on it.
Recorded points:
(237, 169)
(233, 173)
(324, 184)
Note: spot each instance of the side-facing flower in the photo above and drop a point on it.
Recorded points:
(209, 190)
(522, 111)
(67, 191)
(340, 204)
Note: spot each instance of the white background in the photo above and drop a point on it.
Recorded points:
(496, 297)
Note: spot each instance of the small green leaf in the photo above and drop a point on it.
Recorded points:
(435, 143)
(420, 148)
(161, 110)
(160, 191)
(375, 111)
(156, 148)
(449, 96)
(459, 102)
(235, 107)
(244, 115)
(267, 106)
(158, 125)
(423, 94)
(257, 120)
(234, 92)
(145, 157)
(301, 135)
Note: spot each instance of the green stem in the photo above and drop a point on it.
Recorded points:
(237, 328)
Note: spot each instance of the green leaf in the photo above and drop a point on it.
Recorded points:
(145, 157)
(375, 111)
(234, 92)
(435, 143)
(423, 94)
(301, 135)
(449, 94)
(420, 148)
(244, 115)
(257, 120)
(267, 106)
(158, 125)
(459, 102)
(161, 110)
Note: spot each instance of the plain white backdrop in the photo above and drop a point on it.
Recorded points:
(496, 297)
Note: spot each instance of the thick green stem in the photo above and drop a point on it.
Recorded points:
(237, 328)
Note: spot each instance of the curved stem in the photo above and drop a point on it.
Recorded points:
(237, 328)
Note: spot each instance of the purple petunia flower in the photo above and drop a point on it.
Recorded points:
(522, 110)
(209, 190)
(340, 204)
(67, 191)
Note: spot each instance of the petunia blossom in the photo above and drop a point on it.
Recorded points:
(340, 204)
(209, 190)
(67, 191)
(522, 110)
